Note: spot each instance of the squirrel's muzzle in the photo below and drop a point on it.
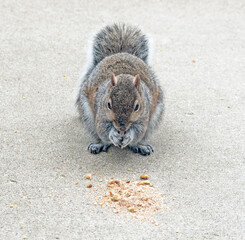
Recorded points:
(122, 128)
(121, 124)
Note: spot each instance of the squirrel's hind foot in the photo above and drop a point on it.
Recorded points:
(142, 149)
(96, 148)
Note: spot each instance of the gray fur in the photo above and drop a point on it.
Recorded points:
(87, 117)
(121, 50)
(120, 38)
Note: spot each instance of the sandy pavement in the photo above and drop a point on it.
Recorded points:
(199, 158)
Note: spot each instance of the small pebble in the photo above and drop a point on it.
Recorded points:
(12, 180)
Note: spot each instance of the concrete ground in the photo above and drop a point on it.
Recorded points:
(199, 158)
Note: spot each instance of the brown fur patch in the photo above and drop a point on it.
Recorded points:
(122, 63)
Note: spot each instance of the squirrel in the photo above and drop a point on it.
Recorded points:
(120, 100)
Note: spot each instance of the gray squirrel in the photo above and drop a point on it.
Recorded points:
(120, 100)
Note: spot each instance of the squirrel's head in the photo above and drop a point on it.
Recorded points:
(124, 102)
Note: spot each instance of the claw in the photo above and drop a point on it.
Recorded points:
(96, 148)
(142, 149)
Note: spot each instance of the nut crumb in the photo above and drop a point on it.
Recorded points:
(116, 198)
(89, 176)
(139, 198)
(144, 177)
(144, 183)
(89, 186)
(131, 209)
(117, 182)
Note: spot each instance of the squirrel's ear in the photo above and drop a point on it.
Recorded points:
(136, 81)
(113, 80)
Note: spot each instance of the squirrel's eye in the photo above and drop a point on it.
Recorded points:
(136, 107)
(109, 105)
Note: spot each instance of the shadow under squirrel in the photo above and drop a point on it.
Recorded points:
(120, 100)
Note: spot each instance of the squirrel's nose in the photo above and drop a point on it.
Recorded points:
(122, 128)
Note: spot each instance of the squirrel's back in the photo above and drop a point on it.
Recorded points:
(120, 38)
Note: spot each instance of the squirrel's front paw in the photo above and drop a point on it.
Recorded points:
(127, 139)
(121, 140)
(116, 138)
(96, 148)
(142, 149)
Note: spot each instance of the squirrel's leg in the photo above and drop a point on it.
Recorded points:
(98, 147)
(142, 149)
(87, 115)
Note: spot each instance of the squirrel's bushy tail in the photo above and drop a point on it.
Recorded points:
(118, 38)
